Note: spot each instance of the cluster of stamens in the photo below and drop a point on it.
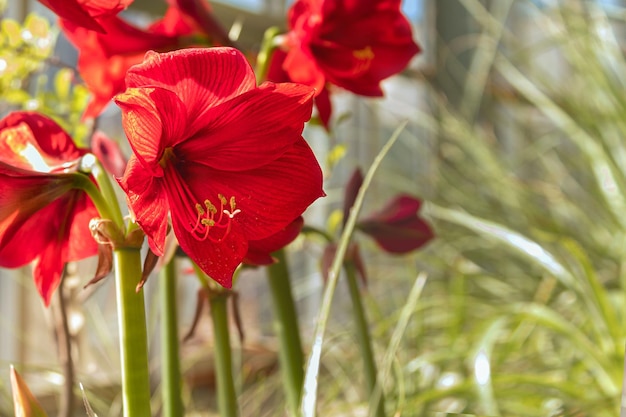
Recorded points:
(211, 218)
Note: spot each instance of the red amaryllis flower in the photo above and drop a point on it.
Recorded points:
(397, 227)
(109, 153)
(85, 13)
(354, 44)
(224, 157)
(43, 218)
(104, 58)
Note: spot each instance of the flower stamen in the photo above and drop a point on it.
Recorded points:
(206, 220)
(364, 57)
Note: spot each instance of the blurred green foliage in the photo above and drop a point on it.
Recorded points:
(32, 78)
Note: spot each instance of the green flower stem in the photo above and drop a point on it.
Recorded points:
(104, 182)
(82, 182)
(311, 230)
(288, 331)
(133, 334)
(170, 360)
(363, 336)
(265, 53)
(226, 395)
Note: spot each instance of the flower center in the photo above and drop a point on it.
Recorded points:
(168, 155)
(211, 218)
(364, 59)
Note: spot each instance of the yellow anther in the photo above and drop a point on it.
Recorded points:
(208, 222)
(199, 209)
(365, 54)
(233, 205)
(210, 207)
(168, 155)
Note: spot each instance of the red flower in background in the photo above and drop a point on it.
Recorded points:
(43, 218)
(224, 157)
(354, 44)
(108, 153)
(104, 58)
(397, 228)
(85, 13)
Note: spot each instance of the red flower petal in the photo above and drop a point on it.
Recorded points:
(397, 228)
(276, 73)
(73, 11)
(147, 202)
(324, 107)
(109, 153)
(248, 131)
(48, 268)
(32, 141)
(154, 118)
(21, 197)
(200, 80)
(302, 67)
(41, 219)
(260, 251)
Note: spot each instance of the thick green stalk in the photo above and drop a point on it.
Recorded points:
(226, 395)
(286, 327)
(104, 182)
(170, 359)
(133, 334)
(363, 336)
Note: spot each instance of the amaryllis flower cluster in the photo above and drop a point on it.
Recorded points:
(223, 158)
(353, 44)
(44, 216)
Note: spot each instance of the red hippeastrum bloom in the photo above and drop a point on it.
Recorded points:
(354, 44)
(43, 218)
(85, 13)
(224, 157)
(397, 227)
(108, 153)
(104, 58)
